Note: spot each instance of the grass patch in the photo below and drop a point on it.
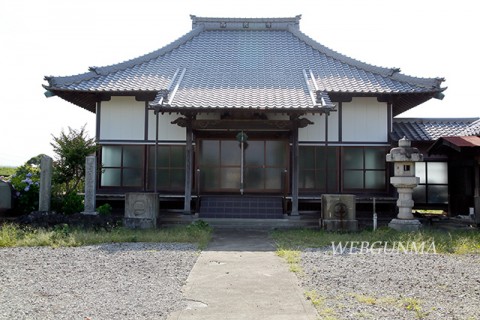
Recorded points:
(292, 257)
(412, 304)
(456, 242)
(63, 236)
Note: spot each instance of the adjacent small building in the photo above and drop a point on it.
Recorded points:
(251, 107)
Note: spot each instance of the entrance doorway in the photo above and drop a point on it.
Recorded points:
(259, 166)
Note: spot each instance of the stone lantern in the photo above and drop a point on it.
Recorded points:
(404, 179)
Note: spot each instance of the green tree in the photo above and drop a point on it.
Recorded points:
(71, 149)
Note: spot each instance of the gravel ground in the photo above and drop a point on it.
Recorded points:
(393, 285)
(144, 281)
(111, 281)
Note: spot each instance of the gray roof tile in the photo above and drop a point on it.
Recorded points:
(244, 63)
(432, 129)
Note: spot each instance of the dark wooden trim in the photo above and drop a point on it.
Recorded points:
(245, 124)
(340, 121)
(188, 170)
(295, 172)
(97, 116)
(145, 133)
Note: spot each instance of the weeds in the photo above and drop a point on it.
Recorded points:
(292, 257)
(456, 242)
(64, 236)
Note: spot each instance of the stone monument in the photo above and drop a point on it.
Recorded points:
(45, 195)
(141, 210)
(5, 197)
(404, 179)
(339, 212)
(90, 185)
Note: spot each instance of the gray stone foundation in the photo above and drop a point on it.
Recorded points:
(405, 225)
(141, 210)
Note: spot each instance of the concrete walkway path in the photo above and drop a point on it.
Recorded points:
(239, 276)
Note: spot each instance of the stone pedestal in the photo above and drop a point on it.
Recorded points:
(405, 225)
(90, 185)
(339, 225)
(45, 194)
(141, 210)
(339, 212)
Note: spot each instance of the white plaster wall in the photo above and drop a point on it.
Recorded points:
(166, 130)
(365, 119)
(316, 131)
(122, 118)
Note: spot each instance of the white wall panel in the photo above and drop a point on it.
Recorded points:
(122, 118)
(166, 130)
(364, 120)
(316, 131)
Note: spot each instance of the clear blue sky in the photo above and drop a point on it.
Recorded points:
(57, 37)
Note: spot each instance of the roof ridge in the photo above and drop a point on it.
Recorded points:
(392, 73)
(219, 20)
(99, 71)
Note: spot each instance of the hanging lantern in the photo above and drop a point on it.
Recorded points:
(242, 137)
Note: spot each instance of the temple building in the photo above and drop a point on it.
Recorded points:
(247, 108)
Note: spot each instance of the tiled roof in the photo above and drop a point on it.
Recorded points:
(432, 129)
(242, 63)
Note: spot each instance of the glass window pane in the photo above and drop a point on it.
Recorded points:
(320, 179)
(353, 158)
(254, 154)
(306, 158)
(375, 158)
(437, 172)
(111, 177)
(420, 171)
(132, 177)
(275, 153)
(437, 194)
(133, 156)
(209, 178)
(112, 156)
(353, 180)
(274, 178)
(332, 158)
(163, 178)
(306, 179)
(375, 180)
(320, 158)
(210, 153)
(420, 194)
(163, 156)
(230, 178)
(254, 178)
(177, 156)
(230, 153)
(177, 177)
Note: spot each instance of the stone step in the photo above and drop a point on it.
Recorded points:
(248, 207)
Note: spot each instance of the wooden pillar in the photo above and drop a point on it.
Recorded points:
(188, 169)
(295, 172)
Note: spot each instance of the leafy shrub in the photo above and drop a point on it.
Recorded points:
(72, 203)
(26, 184)
(104, 209)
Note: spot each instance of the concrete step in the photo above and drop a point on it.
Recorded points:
(248, 207)
(242, 223)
